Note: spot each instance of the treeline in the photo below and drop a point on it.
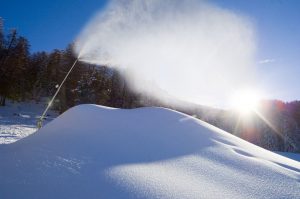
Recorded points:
(14, 63)
(275, 125)
(36, 76)
(26, 76)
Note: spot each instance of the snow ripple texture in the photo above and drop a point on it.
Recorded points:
(98, 152)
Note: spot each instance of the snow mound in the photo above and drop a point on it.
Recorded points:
(98, 152)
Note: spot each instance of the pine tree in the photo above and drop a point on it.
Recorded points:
(36, 73)
(6, 66)
(20, 68)
(1, 38)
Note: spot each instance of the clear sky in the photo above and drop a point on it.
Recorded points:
(278, 43)
(48, 24)
(54, 24)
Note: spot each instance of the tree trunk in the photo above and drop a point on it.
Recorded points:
(2, 100)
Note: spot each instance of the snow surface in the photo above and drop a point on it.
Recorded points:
(294, 156)
(19, 119)
(92, 151)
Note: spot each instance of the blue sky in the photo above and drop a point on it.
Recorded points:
(54, 24)
(48, 24)
(278, 43)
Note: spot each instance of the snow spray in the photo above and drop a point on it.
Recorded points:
(188, 49)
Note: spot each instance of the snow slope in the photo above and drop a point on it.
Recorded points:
(19, 119)
(294, 156)
(97, 152)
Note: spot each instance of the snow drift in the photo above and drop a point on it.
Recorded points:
(97, 152)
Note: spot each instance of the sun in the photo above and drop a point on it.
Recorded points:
(246, 101)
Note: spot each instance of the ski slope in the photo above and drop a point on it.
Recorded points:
(92, 151)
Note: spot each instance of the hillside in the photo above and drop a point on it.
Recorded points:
(98, 152)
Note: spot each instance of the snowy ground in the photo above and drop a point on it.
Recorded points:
(98, 152)
(18, 120)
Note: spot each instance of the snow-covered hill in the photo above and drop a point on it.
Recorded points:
(97, 152)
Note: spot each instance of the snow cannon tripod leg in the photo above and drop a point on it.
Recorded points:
(40, 121)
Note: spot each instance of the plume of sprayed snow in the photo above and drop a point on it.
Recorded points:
(190, 49)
